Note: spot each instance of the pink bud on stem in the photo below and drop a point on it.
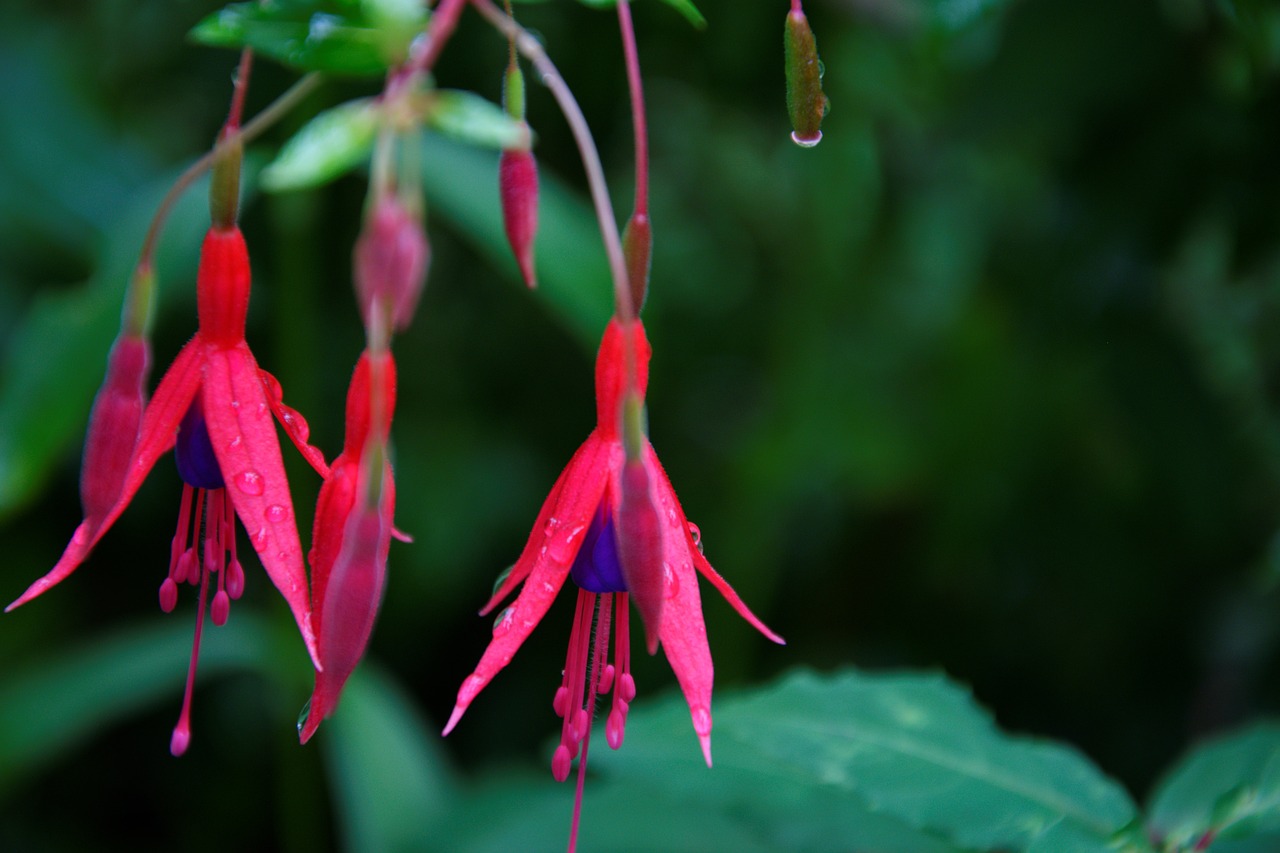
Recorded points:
(391, 259)
(518, 186)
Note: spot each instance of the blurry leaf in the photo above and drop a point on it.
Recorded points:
(472, 119)
(335, 37)
(913, 751)
(388, 772)
(953, 15)
(684, 7)
(1230, 786)
(55, 704)
(329, 145)
(573, 280)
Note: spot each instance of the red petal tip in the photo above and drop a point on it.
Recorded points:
(458, 711)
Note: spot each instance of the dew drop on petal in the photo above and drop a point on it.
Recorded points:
(671, 584)
(233, 443)
(697, 536)
(276, 513)
(502, 625)
(249, 482)
(259, 539)
(701, 720)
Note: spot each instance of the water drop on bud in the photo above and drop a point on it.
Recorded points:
(518, 187)
(391, 259)
(805, 100)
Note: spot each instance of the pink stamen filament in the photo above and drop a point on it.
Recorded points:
(182, 731)
(602, 607)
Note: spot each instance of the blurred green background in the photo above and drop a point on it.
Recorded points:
(985, 383)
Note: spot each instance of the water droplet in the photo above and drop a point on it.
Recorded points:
(235, 404)
(565, 547)
(262, 409)
(249, 482)
(233, 443)
(806, 141)
(303, 714)
(260, 539)
(276, 513)
(697, 536)
(553, 524)
(701, 720)
(502, 625)
(671, 583)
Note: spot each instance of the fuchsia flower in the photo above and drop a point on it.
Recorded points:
(351, 539)
(214, 408)
(615, 526)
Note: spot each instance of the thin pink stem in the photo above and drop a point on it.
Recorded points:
(632, 57)
(796, 8)
(443, 21)
(237, 95)
(182, 731)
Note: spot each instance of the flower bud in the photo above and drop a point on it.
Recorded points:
(640, 548)
(113, 425)
(518, 186)
(805, 99)
(391, 260)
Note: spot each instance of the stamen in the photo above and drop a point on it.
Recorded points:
(182, 731)
(177, 554)
(235, 572)
(615, 725)
(568, 701)
(193, 553)
(598, 651)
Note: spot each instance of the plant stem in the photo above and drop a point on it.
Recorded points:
(533, 51)
(637, 107)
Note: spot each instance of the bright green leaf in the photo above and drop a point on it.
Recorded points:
(82, 691)
(472, 119)
(334, 142)
(338, 39)
(913, 749)
(1230, 785)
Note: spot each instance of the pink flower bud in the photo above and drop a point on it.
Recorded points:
(640, 548)
(805, 99)
(391, 259)
(113, 426)
(518, 185)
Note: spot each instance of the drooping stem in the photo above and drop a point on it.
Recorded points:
(532, 50)
(241, 86)
(632, 57)
(250, 131)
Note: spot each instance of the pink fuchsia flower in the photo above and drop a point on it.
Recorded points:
(214, 408)
(352, 536)
(615, 526)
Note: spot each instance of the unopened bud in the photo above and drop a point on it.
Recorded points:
(805, 99)
(640, 548)
(224, 184)
(113, 426)
(637, 249)
(391, 259)
(518, 186)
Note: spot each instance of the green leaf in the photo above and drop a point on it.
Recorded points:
(1229, 785)
(389, 776)
(472, 119)
(334, 142)
(914, 751)
(684, 7)
(56, 704)
(335, 37)
(573, 275)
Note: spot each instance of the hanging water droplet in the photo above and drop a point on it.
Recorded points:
(502, 625)
(276, 513)
(697, 536)
(303, 715)
(806, 141)
(249, 482)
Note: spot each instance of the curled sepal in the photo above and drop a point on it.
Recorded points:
(347, 605)
(113, 426)
(637, 249)
(391, 260)
(640, 548)
(518, 187)
(805, 99)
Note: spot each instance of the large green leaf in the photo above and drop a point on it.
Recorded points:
(1229, 787)
(53, 705)
(334, 142)
(470, 118)
(913, 750)
(389, 777)
(337, 36)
